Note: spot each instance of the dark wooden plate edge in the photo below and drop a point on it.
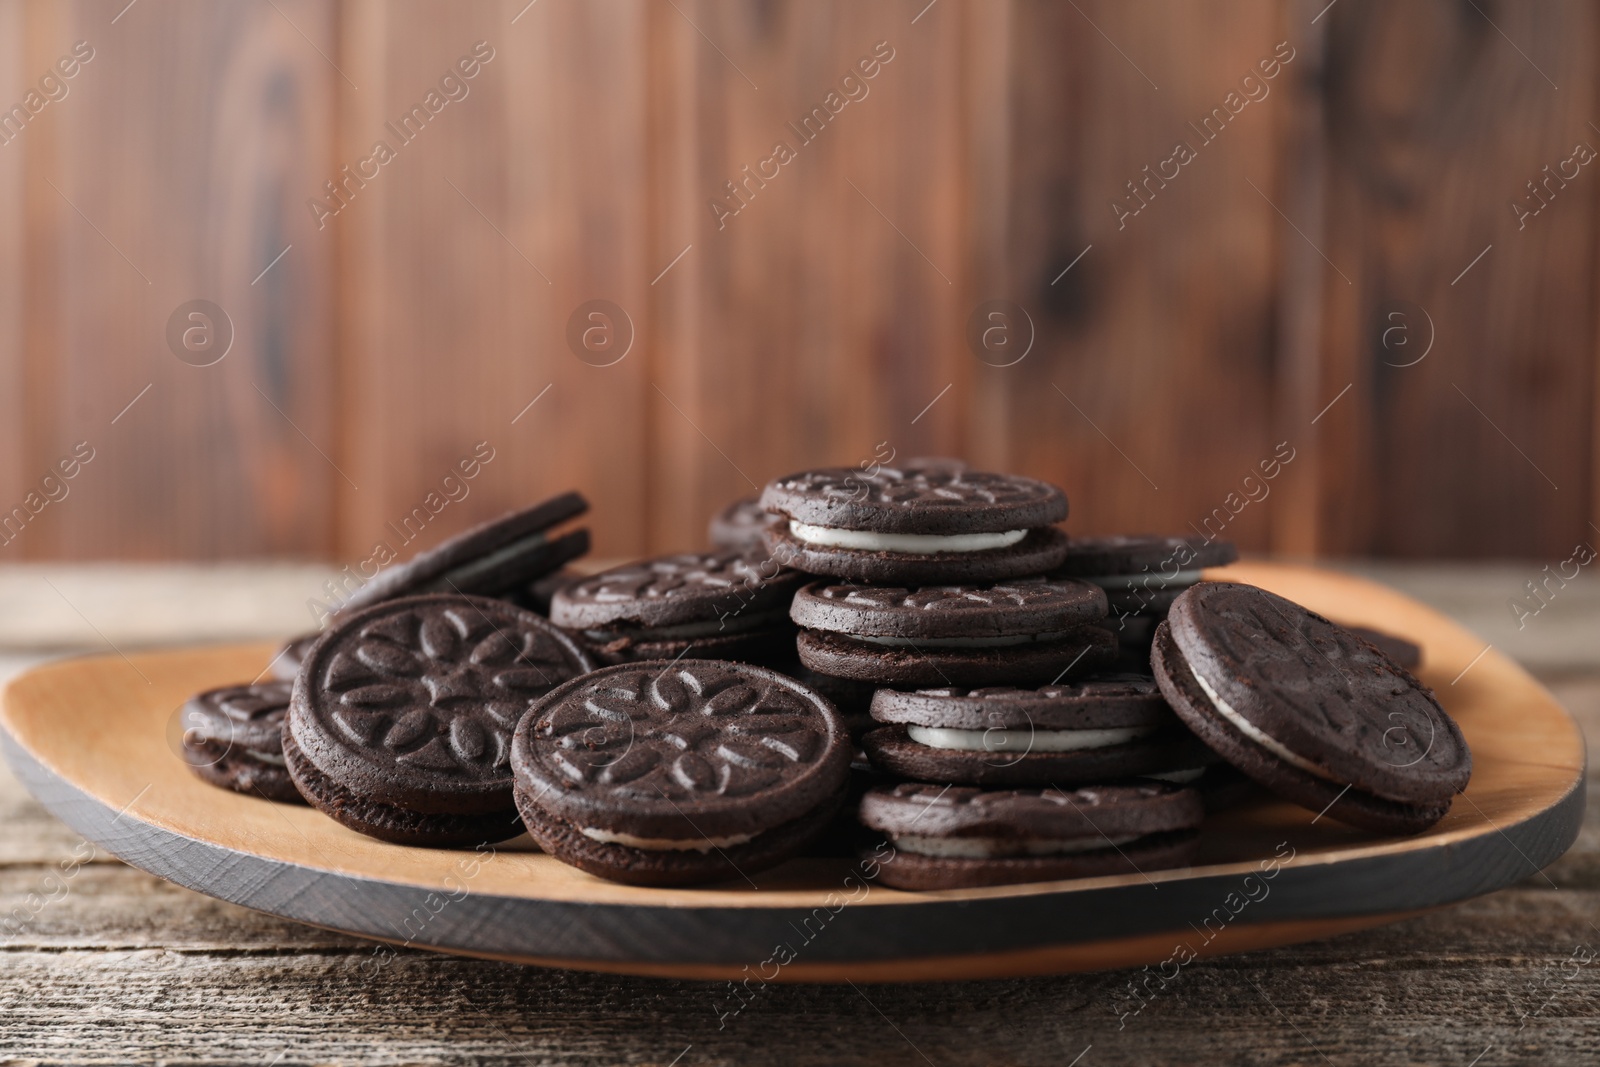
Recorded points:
(612, 936)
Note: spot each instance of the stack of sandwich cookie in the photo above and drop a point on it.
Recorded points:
(951, 837)
(668, 773)
(1142, 574)
(231, 738)
(1308, 709)
(401, 720)
(1019, 632)
(1093, 730)
(722, 605)
(497, 558)
(916, 526)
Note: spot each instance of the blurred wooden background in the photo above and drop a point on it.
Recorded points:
(1174, 349)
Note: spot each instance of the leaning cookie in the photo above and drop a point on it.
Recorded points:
(667, 773)
(1100, 728)
(917, 526)
(231, 738)
(713, 605)
(1142, 574)
(954, 837)
(1027, 631)
(500, 556)
(401, 719)
(1309, 710)
(286, 664)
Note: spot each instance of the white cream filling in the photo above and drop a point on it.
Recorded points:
(981, 848)
(274, 758)
(1024, 740)
(1179, 777)
(1151, 580)
(959, 642)
(1253, 732)
(664, 844)
(916, 544)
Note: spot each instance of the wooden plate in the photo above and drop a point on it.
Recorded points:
(90, 738)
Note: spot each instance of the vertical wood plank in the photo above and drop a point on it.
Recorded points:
(1472, 450)
(469, 253)
(827, 301)
(13, 277)
(154, 183)
(1149, 392)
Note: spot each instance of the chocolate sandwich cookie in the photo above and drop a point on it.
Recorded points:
(494, 558)
(926, 525)
(286, 664)
(1407, 654)
(1099, 728)
(720, 605)
(539, 593)
(1142, 575)
(952, 837)
(1308, 709)
(1020, 632)
(675, 773)
(231, 738)
(401, 720)
(737, 527)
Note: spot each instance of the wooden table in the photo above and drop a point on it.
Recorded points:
(118, 966)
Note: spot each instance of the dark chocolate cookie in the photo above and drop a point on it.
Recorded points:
(1165, 558)
(674, 773)
(1099, 701)
(1021, 759)
(1080, 650)
(948, 837)
(1407, 654)
(720, 605)
(1022, 631)
(737, 527)
(401, 720)
(1023, 608)
(286, 664)
(1308, 709)
(915, 525)
(496, 557)
(231, 738)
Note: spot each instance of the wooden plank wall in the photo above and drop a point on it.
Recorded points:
(1193, 314)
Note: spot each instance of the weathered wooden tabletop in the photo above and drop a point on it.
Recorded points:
(118, 966)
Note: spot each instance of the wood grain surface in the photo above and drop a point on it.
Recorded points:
(123, 967)
(831, 312)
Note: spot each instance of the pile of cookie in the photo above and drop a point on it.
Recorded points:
(914, 661)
